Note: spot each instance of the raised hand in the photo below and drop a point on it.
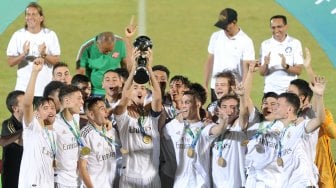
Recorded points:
(319, 85)
(131, 28)
(38, 64)
(283, 61)
(239, 90)
(42, 48)
(267, 58)
(26, 47)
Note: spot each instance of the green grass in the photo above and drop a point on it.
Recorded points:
(180, 31)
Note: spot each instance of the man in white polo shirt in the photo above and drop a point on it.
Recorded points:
(229, 49)
(281, 57)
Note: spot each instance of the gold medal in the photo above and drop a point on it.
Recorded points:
(54, 163)
(123, 151)
(221, 162)
(85, 151)
(147, 139)
(191, 152)
(245, 142)
(260, 148)
(280, 162)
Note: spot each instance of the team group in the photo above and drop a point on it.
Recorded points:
(104, 128)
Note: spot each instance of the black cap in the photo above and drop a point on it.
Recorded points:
(226, 17)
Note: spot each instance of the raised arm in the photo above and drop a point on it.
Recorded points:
(243, 110)
(318, 88)
(29, 95)
(253, 66)
(156, 91)
(222, 125)
(126, 92)
(130, 30)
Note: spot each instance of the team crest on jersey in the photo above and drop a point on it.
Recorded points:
(288, 50)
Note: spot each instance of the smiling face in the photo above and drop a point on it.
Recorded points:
(47, 112)
(62, 74)
(279, 29)
(229, 107)
(190, 107)
(222, 87)
(139, 93)
(98, 113)
(268, 107)
(33, 18)
(176, 90)
(112, 83)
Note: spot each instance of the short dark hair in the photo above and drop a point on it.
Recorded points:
(59, 64)
(90, 102)
(303, 87)
(284, 19)
(122, 72)
(161, 68)
(292, 99)
(42, 101)
(181, 78)
(269, 94)
(198, 91)
(228, 97)
(12, 99)
(52, 87)
(79, 78)
(67, 90)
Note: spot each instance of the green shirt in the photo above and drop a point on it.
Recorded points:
(97, 63)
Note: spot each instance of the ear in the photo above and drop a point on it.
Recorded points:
(90, 114)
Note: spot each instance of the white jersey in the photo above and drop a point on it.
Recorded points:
(229, 53)
(229, 147)
(278, 81)
(263, 170)
(141, 164)
(297, 165)
(101, 162)
(67, 152)
(36, 165)
(15, 48)
(191, 171)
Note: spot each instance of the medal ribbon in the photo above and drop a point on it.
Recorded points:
(283, 132)
(262, 130)
(189, 131)
(75, 131)
(108, 139)
(141, 121)
(51, 142)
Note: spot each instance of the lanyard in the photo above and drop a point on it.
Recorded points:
(262, 130)
(281, 139)
(141, 121)
(51, 142)
(196, 136)
(75, 131)
(103, 134)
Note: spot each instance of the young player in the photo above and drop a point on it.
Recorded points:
(38, 160)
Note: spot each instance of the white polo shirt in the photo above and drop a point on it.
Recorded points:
(229, 53)
(15, 48)
(278, 81)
